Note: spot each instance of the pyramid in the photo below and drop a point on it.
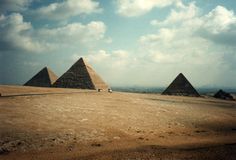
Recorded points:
(181, 87)
(223, 95)
(44, 78)
(81, 75)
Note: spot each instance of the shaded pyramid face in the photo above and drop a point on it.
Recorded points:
(44, 78)
(182, 87)
(81, 75)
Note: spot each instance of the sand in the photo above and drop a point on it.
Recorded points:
(53, 123)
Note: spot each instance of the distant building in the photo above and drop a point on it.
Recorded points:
(44, 78)
(181, 87)
(81, 75)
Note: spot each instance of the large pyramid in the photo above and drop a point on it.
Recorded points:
(44, 78)
(182, 87)
(81, 75)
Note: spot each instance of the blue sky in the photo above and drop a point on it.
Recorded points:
(128, 42)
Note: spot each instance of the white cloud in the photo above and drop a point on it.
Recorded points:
(75, 33)
(15, 34)
(132, 8)
(219, 26)
(195, 44)
(21, 36)
(164, 35)
(120, 54)
(102, 55)
(14, 5)
(68, 8)
(219, 20)
(184, 13)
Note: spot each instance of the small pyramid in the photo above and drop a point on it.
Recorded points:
(223, 95)
(81, 75)
(44, 78)
(181, 87)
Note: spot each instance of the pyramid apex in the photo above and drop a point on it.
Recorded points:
(44, 78)
(45, 68)
(80, 75)
(82, 61)
(181, 86)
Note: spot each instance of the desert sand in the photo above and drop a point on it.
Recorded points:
(71, 124)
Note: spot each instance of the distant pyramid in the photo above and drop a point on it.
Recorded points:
(81, 75)
(181, 86)
(44, 78)
(223, 95)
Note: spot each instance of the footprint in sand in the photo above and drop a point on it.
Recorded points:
(140, 138)
(170, 132)
(96, 145)
(200, 131)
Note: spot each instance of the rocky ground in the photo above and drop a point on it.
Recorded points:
(52, 123)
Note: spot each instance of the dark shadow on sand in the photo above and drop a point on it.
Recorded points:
(40, 94)
(153, 152)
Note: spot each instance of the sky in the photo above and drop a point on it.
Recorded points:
(128, 42)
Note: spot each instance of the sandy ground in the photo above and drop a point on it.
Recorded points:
(71, 124)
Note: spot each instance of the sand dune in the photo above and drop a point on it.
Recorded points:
(53, 123)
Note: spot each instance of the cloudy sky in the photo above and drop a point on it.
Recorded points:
(128, 42)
